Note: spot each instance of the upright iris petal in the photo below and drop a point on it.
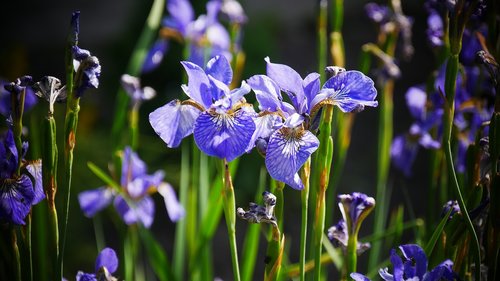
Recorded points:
(288, 149)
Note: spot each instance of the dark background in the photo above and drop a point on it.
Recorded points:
(32, 41)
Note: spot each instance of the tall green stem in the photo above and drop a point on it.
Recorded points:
(304, 195)
(180, 230)
(230, 215)
(17, 257)
(323, 164)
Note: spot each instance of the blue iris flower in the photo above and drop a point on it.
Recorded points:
(413, 266)
(220, 119)
(18, 192)
(134, 203)
(283, 130)
(205, 34)
(105, 265)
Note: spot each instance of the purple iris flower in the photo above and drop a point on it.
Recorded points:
(355, 207)
(134, 203)
(205, 34)
(453, 205)
(435, 29)
(283, 130)
(339, 237)
(412, 266)
(87, 68)
(18, 192)
(6, 89)
(405, 147)
(105, 265)
(220, 119)
(132, 86)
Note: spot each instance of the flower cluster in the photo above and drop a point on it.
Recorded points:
(133, 201)
(413, 266)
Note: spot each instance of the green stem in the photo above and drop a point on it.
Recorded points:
(15, 250)
(230, 215)
(352, 255)
(450, 87)
(324, 162)
(17, 103)
(305, 174)
(180, 230)
(134, 126)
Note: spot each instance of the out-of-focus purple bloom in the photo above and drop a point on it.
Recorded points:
(134, 203)
(17, 192)
(205, 34)
(435, 29)
(378, 13)
(233, 10)
(412, 266)
(453, 205)
(220, 119)
(471, 45)
(404, 148)
(6, 89)
(87, 68)
(105, 265)
(339, 237)
(283, 129)
(132, 86)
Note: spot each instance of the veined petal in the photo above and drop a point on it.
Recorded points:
(224, 135)
(173, 122)
(397, 265)
(155, 55)
(287, 150)
(349, 90)
(35, 169)
(266, 91)
(288, 80)
(219, 68)
(264, 126)
(16, 196)
(93, 201)
(175, 209)
(107, 258)
(198, 87)
(142, 211)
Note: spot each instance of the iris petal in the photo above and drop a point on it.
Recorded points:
(173, 122)
(403, 153)
(397, 264)
(142, 211)
(359, 277)
(181, 11)
(287, 152)
(288, 80)
(266, 91)
(132, 166)
(220, 69)
(416, 100)
(224, 135)
(175, 209)
(35, 169)
(92, 201)
(416, 257)
(15, 199)
(311, 87)
(107, 258)
(198, 87)
(349, 90)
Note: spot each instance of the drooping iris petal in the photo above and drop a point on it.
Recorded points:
(16, 196)
(155, 55)
(198, 87)
(175, 209)
(416, 260)
(397, 264)
(349, 90)
(443, 271)
(287, 150)
(219, 68)
(142, 211)
(107, 258)
(267, 92)
(92, 201)
(224, 135)
(35, 169)
(173, 122)
(288, 80)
